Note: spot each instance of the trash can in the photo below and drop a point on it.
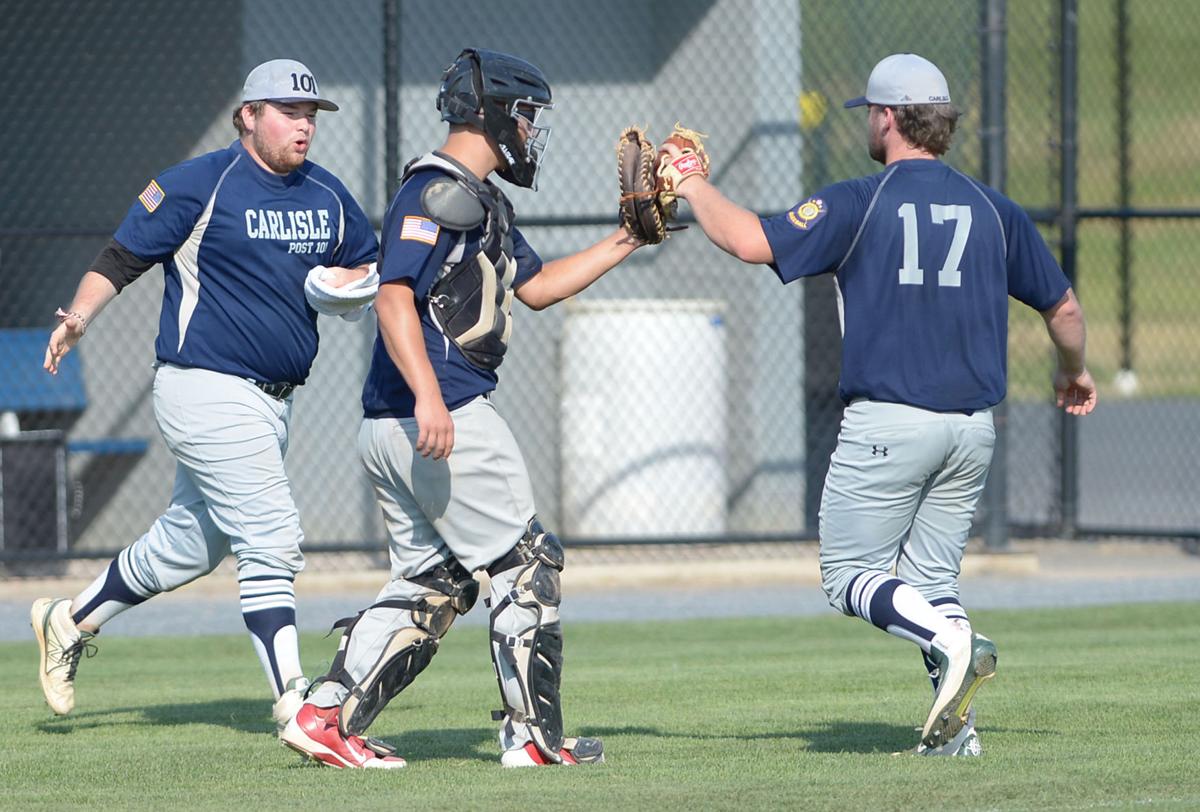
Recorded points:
(33, 492)
(643, 419)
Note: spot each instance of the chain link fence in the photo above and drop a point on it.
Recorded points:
(685, 396)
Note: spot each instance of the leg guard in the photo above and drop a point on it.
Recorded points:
(527, 636)
(441, 595)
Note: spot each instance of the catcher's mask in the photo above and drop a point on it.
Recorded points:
(505, 97)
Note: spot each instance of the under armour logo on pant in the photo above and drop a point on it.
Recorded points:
(878, 451)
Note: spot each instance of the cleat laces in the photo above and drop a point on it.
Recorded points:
(69, 657)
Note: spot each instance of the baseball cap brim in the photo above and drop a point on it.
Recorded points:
(322, 104)
(861, 101)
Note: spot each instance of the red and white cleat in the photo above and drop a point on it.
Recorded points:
(574, 751)
(313, 732)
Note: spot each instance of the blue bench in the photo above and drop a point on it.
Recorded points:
(44, 401)
(27, 388)
(47, 408)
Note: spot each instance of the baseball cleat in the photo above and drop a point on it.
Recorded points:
(313, 733)
(60, 645)
(964, 662)
(289, 702)
(574, 751)
(966, 743)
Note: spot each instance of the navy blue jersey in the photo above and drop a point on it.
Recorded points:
(414, 250)
(236, 242)
(925, 259)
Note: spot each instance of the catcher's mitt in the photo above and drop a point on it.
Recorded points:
(642, 213)
(649, 178)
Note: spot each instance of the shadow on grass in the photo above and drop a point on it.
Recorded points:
(254, 716)
(245, 715)
(459, 744)
(874, 737)
(833, 737)
(860, 737)
(471, 744)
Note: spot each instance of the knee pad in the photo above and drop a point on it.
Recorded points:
(443, 594)
(527, 638)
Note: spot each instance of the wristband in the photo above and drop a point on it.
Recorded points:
(63, 315)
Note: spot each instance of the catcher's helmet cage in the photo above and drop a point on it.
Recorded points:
(505, 97)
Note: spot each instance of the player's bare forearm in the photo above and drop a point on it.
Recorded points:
(1074, 389)
(94, 292)
(566, 276)
(731, 228)
(1068, 331)
(400, 327)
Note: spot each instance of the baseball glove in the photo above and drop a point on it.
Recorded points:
(693, 160)
(642, 213)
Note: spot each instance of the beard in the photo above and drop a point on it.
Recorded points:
(875, 147)
(281, 159)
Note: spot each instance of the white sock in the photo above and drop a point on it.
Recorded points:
(269, 610)
(892, 605)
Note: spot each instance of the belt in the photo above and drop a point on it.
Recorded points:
(279, 391)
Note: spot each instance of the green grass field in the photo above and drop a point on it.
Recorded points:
(1090, 708)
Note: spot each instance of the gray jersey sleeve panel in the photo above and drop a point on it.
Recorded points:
(341, 212)
(991, 205)
(187, 259)
(866, 217)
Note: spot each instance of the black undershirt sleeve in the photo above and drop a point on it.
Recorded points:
(119, 265)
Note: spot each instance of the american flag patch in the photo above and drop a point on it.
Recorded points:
(421, 229)
(152, 196)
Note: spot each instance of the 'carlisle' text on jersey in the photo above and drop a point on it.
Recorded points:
(925, 259)
(236, 242)
(288, 225)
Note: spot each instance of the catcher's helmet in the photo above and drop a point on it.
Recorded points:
(504, 96)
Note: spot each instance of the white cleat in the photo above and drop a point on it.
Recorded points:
(60, 644)
(964, 662)
(966, 743)
(289, 702)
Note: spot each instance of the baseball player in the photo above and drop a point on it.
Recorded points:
(925, 259)
(447, 472)
(237, 232)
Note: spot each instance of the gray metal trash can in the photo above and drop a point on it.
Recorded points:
(644, 429)
(33, 493)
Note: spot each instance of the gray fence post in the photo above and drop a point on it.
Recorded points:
(1068, 220)
(1124, 93)
(391, 98)
(994, 141)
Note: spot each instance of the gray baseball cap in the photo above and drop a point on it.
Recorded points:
(902, 79)
(284, 80)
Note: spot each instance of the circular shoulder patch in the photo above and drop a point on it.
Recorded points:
(807, 213)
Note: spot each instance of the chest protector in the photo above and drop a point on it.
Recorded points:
(471, 299)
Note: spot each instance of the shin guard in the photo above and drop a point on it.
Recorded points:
(442, 595)
(527, 636)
